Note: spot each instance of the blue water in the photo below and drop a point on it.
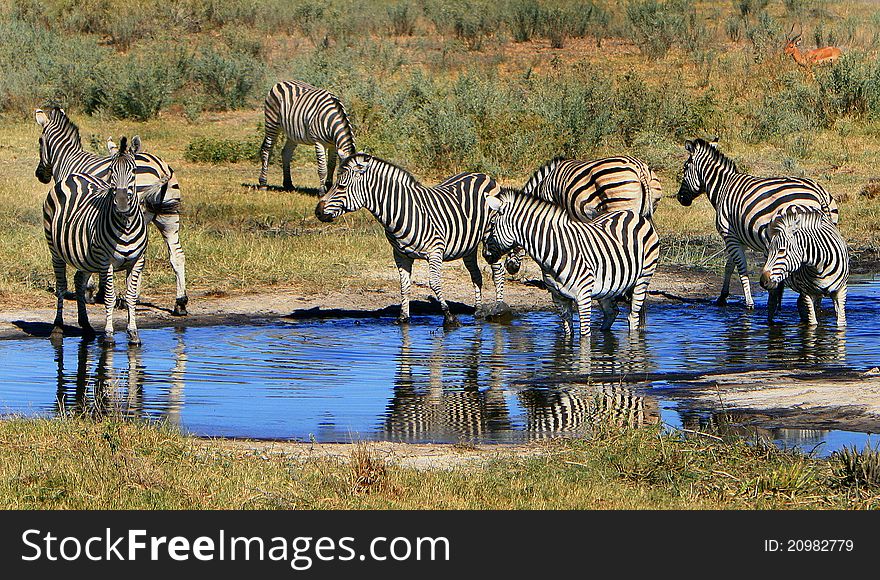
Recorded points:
(349, 379)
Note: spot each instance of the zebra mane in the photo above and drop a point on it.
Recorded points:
(59, 117)
(396, 170)
(809, 218)
(541, 173)
(715, 154)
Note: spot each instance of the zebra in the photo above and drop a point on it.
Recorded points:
(744, 205)
(62, 154)
(438, 224)
(806, 250)
(98, 226)
(308, 115)
(589, 188)
(613, 255)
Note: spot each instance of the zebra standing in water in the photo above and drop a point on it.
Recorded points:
(438, 224)
(744, 205)
(589, 188)
(308, 115)
(807, 251)
(98, 227)
(610, 256)
(62, 154)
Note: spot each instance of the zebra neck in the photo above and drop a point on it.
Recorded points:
(390, 194)
(74, 162)
(536, 225)
(718, 181)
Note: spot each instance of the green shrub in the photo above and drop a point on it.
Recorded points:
(402, 19)
(227, 80)
(208, 150)
(523, 18)
(655, 27)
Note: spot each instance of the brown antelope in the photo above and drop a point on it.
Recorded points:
(808, 59)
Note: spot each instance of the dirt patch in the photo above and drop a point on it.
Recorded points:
(410, 455)
(382, 298)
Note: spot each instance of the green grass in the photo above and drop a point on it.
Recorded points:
(109, 464)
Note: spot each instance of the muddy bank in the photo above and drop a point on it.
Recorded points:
(366, 298)
(794, 399)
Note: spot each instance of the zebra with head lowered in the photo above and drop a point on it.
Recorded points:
(308, 116)
(98, 227)
(744, 206)
(611, 256)
(62, 154)
(806, 251)
(438, 224)
(589, 188)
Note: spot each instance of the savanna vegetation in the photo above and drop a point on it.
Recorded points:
(438, 87)
(114, 464)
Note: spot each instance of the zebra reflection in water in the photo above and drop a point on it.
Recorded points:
(430, 404)
(99, 389)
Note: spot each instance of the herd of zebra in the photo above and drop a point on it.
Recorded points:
(589, 225)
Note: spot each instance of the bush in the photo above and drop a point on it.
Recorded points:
(207, 150)
(523, 18)
(227, 80)
(401, 18)
(470, 21)
(656, 26)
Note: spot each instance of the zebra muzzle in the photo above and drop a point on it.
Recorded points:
(767, 282)
(321, 214)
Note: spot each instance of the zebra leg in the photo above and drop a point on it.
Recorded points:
(725, 286)
(839, 299)
(321, 155)
(169, 227)
(286, 156)
(331, 167)
(435, 281)
(738, 253)
(498, 279)
(609, 312)
(109, 303)
(60, 268)
(265, 149)
(404, 269)
(563, 305)
(637, 308)
(470, 262)
(810, 308)
(80, 280)
(584, 306)
(774, 299)
(132, 291)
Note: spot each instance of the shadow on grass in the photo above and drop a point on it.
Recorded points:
(312, 191)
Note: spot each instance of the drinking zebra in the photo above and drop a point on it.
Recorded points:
(62, 154)
(308, 115)
(613, 255)
(744, 205)
(438, 224)
(98, 226)
(807, 251)
(589, 188)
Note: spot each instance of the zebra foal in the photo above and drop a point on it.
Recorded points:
(807, 252)
(610, 256)
(62, 154)
(744, 205)
(308, 116)
(98, 226)
(438, 224)
(589, 188)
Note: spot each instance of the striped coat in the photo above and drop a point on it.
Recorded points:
(611, 256)
(308, 116)
(807, 252)
(744, 205)
(438, 224)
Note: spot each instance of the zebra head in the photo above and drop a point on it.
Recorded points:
(702, 155)
(785, 250)
(55, 125)
(122, 175)
(497, 241)
(349, 192)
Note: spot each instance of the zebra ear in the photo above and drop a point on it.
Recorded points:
(112, 147)
(135, 146)
(494, 203)
(714, 142)
(41, 117)
(689, 146)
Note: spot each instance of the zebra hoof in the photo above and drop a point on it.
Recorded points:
(501, 312)
(722, 301)
(57, 333)
(402, 320)
(109, 339)
(180, 307)
(133, 338)
(262, 187)
(450, 321)
(87, 330)
(287, 187)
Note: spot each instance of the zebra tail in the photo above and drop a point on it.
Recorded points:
(155, 202)
(645, 180)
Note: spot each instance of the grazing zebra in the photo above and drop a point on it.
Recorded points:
(98, 226)
(438, 224)
(589, 188)
(744, 205)
(610, 256)
(62, 154)
(308, 115)
(807, 251)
